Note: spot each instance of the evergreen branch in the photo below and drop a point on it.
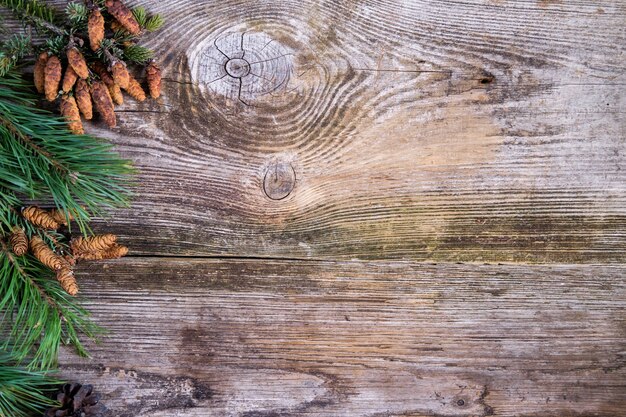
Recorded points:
(34, 12)
(155, 23)
(75, 170)
(13, 49)
(138, 54)
(39, 313)
(23, 391)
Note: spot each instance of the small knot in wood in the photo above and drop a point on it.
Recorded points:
(279, 181)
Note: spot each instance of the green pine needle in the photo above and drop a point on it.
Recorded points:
(11, 51)
(30, 8)
(138, 54)
(154, 23)
(141, 16)
(77, 13)
(23, 392)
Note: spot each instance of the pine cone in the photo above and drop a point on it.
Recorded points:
(52, 78)
(153, 75)
(83, 98)
(77, 401)
(39, 218)
(69, 79)
(92, 243)
(69, 110)
(77, 62)
(66, 278)
(45, 255)
(95, 27)
(114, 252)
(18, 241)
(114, 89)
(134, 89)
(116, 94)
(103, 102)
(60, 217)
(120, 74)
(123, 15)
(39, 72)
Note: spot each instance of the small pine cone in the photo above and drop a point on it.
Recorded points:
(103, 102)
(100, 69)
(153, 75)
(69, 110)
(45, 255)
(83, 98)
(60, 217)
(69, 79)
(120, 74)
(77, 62)
(52, 77)
(123, 15)
(18, 241)
(114, 252)
(39, 72)
(116, 94)
(39, 218)
(66, 278)
(134, 89)
(92, 243)
(95, 27)
(77, 400)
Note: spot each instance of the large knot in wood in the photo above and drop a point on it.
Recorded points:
(246, 67)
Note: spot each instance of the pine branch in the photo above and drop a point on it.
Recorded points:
(12, 50)
(22, 391)
(36, 13)
(39, 313)
(79, 172)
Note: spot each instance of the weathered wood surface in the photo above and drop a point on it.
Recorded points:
(196, 338)
(419, 130)
(300, 133)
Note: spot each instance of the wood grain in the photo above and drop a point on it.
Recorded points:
(257, 338)
(481, 131)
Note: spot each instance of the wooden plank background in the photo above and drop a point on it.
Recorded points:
(319, 188)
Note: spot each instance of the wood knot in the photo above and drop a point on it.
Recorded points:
(242, 66)
(279, 181)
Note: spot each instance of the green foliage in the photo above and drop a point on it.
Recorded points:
(12, 50)
(39, 313)
(138, 54)
(149, 23)
(77, 13)
(30, 9)
(22, 391)
(40, 158)
(43, 159)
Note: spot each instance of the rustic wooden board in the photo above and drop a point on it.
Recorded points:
(484, 130)
(292, 338)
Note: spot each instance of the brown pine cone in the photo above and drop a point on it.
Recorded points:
(69, 110)
(123, 15)
(103, 102)
(77, 401)
(83, 98)
(153, 76)
(77, 62)
(39, 72)
(114, 252)
(39, 218)
(120, 74)
(60, 217)
(66, 278)
(69, 79)
(116, 94)
(45, 255)
(95, 28)
(134, 89)
(92, 243)
(18, 241)
(52, 78)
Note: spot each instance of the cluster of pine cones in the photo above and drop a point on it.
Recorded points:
(80, 248)
(100, 83)
(77, 400)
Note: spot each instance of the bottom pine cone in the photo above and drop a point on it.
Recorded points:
(77, 401)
